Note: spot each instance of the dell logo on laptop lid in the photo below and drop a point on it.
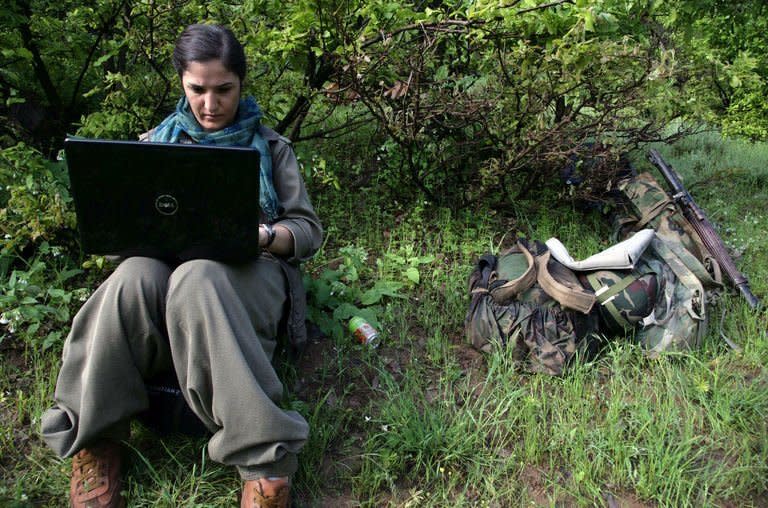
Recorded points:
(166, 204)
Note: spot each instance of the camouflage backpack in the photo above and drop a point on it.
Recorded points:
(647, 204)
(526, 300)
(510, 307)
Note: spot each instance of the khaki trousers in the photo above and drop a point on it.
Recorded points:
(214, 324)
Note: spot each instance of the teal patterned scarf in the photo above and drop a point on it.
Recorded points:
(244, 131)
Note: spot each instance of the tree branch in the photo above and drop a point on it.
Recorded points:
(326, 133)
(440, 25)
(545, 6)
(41, 71)
(91, 52)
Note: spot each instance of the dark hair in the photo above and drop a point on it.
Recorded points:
(202, 43)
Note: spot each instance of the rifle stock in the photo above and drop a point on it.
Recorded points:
(703, 227)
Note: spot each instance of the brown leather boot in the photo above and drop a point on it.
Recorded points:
(96, 481)
(266, 493)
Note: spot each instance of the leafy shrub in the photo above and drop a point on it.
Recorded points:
(35, 204)
(36, 302)
(38, 254)
(347, 286)
(472, 101)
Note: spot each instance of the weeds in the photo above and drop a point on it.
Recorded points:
(36, 301)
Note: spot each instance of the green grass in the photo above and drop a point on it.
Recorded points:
(427, 421)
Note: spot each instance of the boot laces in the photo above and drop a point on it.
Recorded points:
(90, 472)
(278, 500)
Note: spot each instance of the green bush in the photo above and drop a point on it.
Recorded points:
(35, 204)
(37, 302)
(38, 253)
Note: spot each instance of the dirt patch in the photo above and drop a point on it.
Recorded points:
(624, 500)
(535, 481)
(473, 367)
(12, 350)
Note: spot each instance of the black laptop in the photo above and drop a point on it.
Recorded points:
(164, 200)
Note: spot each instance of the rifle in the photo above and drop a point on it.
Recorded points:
(698, 220)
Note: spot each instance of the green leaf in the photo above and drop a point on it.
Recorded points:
(345, 311)
(51, 339)
(371, 296)
(380, 289)
(423, 260)
(10, 101)
(412, 273)
(608, 22)
(100, 61)
(68, 274)
(56, 292)
(370, 314)
(351, 274)
(62, 314)
(441, 73)
(322, 292)
(589, 21)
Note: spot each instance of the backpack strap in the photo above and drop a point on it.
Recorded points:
(673, 250)
(686, 276)
(652, 213)
(606, 294)
(568, 293)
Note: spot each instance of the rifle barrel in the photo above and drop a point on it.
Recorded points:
(717, 249)
(703, 227)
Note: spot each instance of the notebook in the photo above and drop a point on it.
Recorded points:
(164, 200)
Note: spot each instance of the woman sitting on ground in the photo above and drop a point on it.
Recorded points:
(212, 323)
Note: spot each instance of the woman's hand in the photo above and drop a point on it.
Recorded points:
(276, 239)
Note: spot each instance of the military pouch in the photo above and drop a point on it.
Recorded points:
(624, 297)
(679, 320)
(515, 273)
(510, 308)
